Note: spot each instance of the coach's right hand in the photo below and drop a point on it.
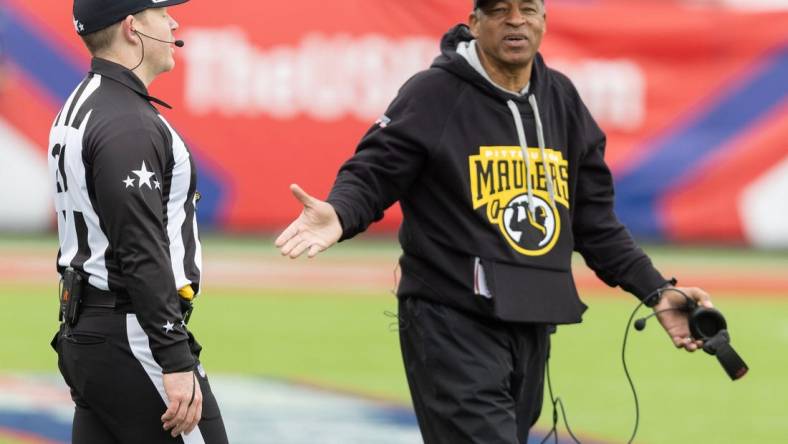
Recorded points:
(185, 409)
(315, 229)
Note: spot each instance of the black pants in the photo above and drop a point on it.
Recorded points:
(472, 380)
(117, 386)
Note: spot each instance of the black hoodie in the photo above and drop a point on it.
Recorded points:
(448, 149)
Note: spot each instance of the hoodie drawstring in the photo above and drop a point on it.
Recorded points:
(540, 136)
(518, 123)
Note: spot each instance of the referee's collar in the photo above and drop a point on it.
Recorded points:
(125, 77)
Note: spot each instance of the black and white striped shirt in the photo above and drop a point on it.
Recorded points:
(125, 201)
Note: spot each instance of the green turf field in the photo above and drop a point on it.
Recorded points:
(342, 339)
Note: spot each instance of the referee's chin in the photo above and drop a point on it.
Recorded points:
(169, 65)
(163, 59)
(166, 66)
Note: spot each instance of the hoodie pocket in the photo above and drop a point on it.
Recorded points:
(526, 294)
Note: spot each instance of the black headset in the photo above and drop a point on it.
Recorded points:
(706, 324)
(178, 43)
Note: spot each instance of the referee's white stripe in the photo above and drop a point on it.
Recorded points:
(95, 265)
(71, 141)
(197, 251)
(140, 348)
(63, 111)
(91, 87)
(176, 215)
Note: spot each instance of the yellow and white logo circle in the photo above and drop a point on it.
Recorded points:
(530, 231)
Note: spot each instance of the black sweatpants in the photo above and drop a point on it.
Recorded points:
(117, 386)
(472, 379)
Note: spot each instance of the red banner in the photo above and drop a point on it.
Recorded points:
(271, 93)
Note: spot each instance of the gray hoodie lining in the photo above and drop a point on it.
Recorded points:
(468, 51)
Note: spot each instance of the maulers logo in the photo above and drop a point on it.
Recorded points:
(498, 182)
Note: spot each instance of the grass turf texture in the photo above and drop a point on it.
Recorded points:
(343, 341)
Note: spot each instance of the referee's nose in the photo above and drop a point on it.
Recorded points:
(173, 24)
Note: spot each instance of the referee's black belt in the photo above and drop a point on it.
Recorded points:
(93, 297)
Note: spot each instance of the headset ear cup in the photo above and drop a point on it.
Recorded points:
(705, 323)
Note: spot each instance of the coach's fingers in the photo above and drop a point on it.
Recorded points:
(302, 195)
(686, 343)
(700, 296)
(315, 249)
(298, 249)
(291, 244)
(286, 235)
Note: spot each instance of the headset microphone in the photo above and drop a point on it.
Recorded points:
(178, 43)
(640, 324)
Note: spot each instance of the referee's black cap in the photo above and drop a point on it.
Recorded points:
(94, 15)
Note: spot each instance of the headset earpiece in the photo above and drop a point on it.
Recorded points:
(705, 323)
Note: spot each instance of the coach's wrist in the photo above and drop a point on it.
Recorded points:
(656, 296)
(343, 217)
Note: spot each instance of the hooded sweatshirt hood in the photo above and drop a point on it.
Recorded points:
(459, 64)
(469, 51)
(458, 49)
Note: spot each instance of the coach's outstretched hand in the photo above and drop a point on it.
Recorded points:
(676, 323)
(315, 229)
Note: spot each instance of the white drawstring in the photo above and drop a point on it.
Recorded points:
(518, 123)
(540, 136)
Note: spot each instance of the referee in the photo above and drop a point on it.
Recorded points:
(130, 256)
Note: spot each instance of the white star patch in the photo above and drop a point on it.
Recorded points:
(183, 324)
(129, 182)
(144, 175)
(156, 184)
(168, 327)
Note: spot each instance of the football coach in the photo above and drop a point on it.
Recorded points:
(499, 169)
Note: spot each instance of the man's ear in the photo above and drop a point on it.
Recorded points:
(473, 23)
(545, 24)
(127, 28)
